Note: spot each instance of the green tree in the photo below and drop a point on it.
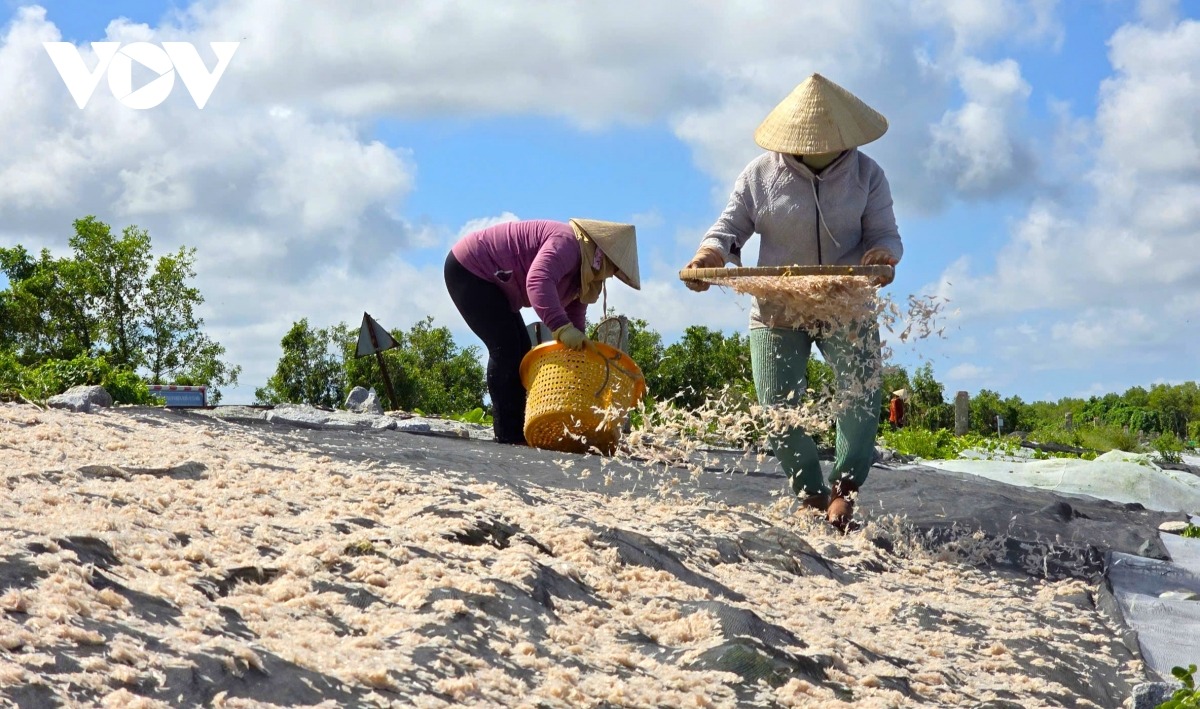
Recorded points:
(176, 349)
(45, 308)
(205, 365)
(1173, 404)
(1046, 415)
(645, 345)
(110, 299)
(310, 370)
(1014, 416)
(1137, 418)
(1047, 421)
(927, 406)
(171, 322)
(429, 371)
(1189, 392)
(1136, 396)
(701, 363)
(820, 375)
(112, 272)
(1097, 408)
(985, 407)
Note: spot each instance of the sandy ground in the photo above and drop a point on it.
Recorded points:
(160, 559)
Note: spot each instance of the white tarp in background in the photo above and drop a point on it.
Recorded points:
(1117, 476)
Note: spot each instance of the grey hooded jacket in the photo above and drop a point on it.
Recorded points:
(807, 219)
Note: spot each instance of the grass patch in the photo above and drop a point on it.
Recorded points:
(1107, 438)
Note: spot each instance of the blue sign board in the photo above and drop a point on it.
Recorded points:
(180, 396)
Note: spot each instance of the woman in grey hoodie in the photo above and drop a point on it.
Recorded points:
(814, 199)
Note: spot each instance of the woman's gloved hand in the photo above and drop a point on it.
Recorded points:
(570, 336)
(881, 257)
(706, 257)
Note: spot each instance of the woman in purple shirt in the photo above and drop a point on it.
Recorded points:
(554, 267)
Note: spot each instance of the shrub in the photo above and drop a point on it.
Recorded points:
(1186, 697)
(1059, 434)
(10, 376)
(126, 387)
(1106, 438)
(1169, 448)
(932, 445)
(475, 415)
(55, 376)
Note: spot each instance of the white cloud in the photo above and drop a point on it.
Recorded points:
(670, 307)
(1147, 112)
(1101, 332)
(292, 216)
(979, 23)
(976, 147)
(968, 372)
(713, 76)
(295, 209)
(485, 222)
(972, 22)
(1118, 279)
(1158, 13)
(648, 220)
(1072, 143)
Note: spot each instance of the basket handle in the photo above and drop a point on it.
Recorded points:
(610, 363)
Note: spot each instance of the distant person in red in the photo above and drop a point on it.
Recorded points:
(558, 269)
(896, 408)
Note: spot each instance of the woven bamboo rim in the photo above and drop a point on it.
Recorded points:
(612, 357)
(701, 274)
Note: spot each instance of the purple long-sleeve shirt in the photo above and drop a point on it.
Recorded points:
(535, 263)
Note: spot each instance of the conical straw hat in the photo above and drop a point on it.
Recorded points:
(618, 242)
(819, 117)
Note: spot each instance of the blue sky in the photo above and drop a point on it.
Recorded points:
(1042, 154)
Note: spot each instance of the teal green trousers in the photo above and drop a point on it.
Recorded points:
(779, 358)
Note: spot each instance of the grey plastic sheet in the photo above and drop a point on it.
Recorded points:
(1183, 551)
(1167, 628)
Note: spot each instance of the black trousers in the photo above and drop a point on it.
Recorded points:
(485, 309)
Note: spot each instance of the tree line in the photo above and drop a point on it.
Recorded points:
(429, 371)
(436, 376)
(112, 313)
(704, 361)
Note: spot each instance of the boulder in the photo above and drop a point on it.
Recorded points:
(1151, 694)
(82, 399)
(363, 401)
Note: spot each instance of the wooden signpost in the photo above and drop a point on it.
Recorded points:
(373, 339)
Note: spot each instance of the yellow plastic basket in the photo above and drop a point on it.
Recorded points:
(578, 398)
